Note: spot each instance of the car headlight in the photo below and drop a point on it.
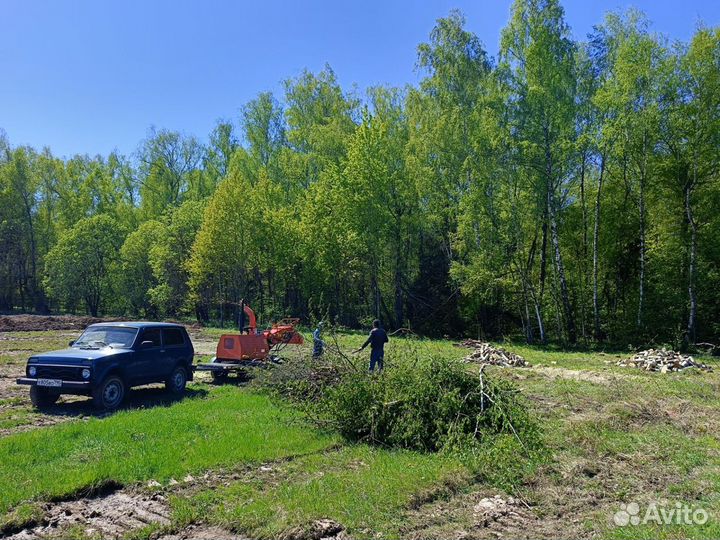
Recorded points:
(86, 373)
(32, 371)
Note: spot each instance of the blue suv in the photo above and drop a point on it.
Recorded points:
(108, 359)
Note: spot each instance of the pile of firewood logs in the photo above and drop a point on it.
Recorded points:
(484, 353)
(662, 360)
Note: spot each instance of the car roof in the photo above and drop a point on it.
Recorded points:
(138, 324)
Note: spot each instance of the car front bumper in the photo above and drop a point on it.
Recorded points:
(68, 387)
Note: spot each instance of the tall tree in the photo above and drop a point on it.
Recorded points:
(537, 57)
(690, 116)
(169, 169)
(216, 161)
(81, 264)
(440, 145)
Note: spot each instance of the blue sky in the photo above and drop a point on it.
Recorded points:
(90, 76)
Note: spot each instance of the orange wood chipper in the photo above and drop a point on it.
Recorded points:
(250, 348)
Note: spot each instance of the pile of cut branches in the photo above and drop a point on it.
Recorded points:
(430, 405)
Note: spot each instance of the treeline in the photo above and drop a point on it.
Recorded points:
(562, 191)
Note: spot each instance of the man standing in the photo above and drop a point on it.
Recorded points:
(318, 343)
(377, 340)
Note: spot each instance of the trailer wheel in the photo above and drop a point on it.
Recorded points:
(219, 376)
(42, 397)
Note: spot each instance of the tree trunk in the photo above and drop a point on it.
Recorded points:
(541, 326)
(583, 266)
(690, 337)
(261, 289)
(527, 325)
(399, 273)
(596, 242)
(564, 292)
(641, 291)
(543, 257)
(375, 290)
(526, 276)
(33, 289)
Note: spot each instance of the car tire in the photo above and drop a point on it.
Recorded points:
(109, 394)
(42, 397)
(175, 384)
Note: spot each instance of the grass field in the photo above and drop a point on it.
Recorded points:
(614, 436)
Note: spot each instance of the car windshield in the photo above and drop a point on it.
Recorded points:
(96, 337)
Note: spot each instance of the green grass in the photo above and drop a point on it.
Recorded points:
(228, 428)
(649, 436)
(364, 488)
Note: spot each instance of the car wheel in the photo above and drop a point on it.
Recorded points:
(42, 397)
(109, 394)
(177, 381)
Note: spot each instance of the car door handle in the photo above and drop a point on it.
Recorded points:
(162, 350)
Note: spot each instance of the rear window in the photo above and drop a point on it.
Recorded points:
(173, 336)
(152, 334)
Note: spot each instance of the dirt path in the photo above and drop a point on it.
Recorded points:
(579, 375)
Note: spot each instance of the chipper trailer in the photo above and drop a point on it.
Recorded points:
(249, 347)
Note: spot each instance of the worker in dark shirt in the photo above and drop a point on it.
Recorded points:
(377, 340)
(318, 343)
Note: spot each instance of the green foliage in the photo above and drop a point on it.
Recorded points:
(169, 254)
(169, 171)
(83, 262)
(137, 273)
(429, 406)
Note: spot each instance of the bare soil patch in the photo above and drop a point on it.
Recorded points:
(30, 323)
(110, 516)
(8, 387)
(202, 532)
(202, 345)
(483, 515)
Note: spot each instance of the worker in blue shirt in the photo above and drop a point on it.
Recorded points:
(377, 340)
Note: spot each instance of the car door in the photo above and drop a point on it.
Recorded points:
(175, 349)
(148, 360)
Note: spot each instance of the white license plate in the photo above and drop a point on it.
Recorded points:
(49, 382)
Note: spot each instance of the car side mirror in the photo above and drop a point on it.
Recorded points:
(71, 343)
(146, 344)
